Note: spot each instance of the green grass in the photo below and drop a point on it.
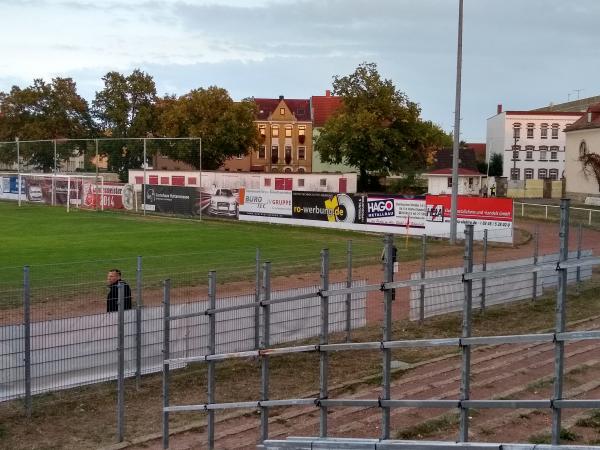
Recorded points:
(80, 246)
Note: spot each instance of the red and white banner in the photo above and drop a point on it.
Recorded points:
(491, 213)
(108, 195)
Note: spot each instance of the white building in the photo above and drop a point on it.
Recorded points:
(532, 143)
(470, 182)
(583, 137)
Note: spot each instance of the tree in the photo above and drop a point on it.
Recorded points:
(495, 169)
(125, 108)
(226, 127)
(377, 129)
(45, 111)
(591, 165)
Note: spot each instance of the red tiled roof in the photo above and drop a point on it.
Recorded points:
(588, 119)
(299, 107)
(478, 149)
(323, 106)
(461, 171)
(543, 113)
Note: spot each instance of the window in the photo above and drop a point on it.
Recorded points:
(274, 154)
(301, 133)
(529, 174)
(262, 151)
(282, 111)
(582, 149)
(301, 152)
(267, 182)
(544, 131)
(530, 128)
(449, 182)
(553, 156)
(275, 131)
(262, 130)
(300, 112)
(470, 182)
(515, 174)
(553, 174)
(300, 169)
(191, 180)
(516, 130)
(300, 182)
(543, 153)
(554, 131)
(288, 131)
(323, 182)
(529, 152)
(288, 154)
(166, 180)
(515, 155)
(542, 173)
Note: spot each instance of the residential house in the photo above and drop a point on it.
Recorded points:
(583, 138)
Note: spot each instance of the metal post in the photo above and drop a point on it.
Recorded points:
(323, 340)
(484, 268)
(536, 250)
(27, 332)
(463, 434)
(456, 143)
(166, 355)
(257, 301)
(96, 180)
(19, 169)
(138, 323)
(349, 296)
(54, 177)
(200, 177)
(264, 368)
(212, 346)
(144, 185)
(422, 287)
(579, 239)
(388, 276)
(560, 317)
(121, 365)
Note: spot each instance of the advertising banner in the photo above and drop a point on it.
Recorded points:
(9, 187)
(323, 206)
(408, 212)
(490, 213)
(108, 195)
(39, 190)
(171, 199)
(223, 202)
(255, 202)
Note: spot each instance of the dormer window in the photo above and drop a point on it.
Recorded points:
(282, 111)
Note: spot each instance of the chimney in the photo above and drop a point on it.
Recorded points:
(281, 97)
(499, 108)
(327, 93)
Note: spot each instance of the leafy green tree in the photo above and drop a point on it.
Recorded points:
(496, 169)
(377, 129)
(125, 108)
(226, 127)
(45, 111)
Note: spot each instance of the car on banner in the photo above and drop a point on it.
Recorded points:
(224, 202)
(34, 194)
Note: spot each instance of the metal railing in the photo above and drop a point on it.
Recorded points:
(384, 402)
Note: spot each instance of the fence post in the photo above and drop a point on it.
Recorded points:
(388, 276)
(484, 269)
(536, 254)
(121, 364)
(138, 324)
(522, 209)
(590, 217)
(264, 367)
(27, 337)
(579, 239)
(257, 282)
(422, 287)
(466, 332)
(349, 296)
(212, 344)
(323, 340)
(166, 356)
(560, 317)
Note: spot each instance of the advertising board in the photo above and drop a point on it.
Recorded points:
(171, 199)
(108, 195)
(9, 187)
(331, 207)
(408, 212)
(255, 202)
(491, 213)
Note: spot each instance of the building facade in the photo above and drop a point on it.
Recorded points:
(532, 143)
(582, 138)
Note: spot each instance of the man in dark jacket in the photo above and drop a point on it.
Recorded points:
(113, 280)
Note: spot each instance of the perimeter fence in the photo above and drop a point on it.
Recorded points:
(324, 348)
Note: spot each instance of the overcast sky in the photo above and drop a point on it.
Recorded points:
(521, 53)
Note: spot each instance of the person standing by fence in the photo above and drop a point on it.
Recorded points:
(113, 280)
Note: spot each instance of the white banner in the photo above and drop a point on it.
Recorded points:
(255, 202)
(396, 211)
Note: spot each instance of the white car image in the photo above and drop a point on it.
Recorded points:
(223, 202)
